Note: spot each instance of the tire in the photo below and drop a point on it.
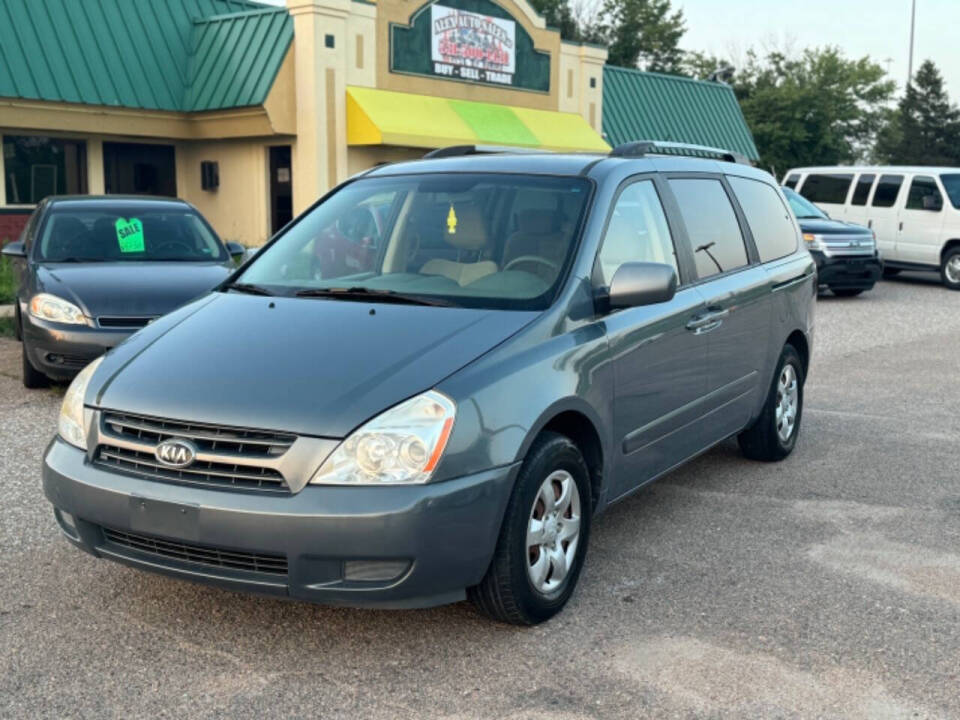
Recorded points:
(763, 439)
(950, 268)
(891, 272)
(508, 592)
(847, 292)
(33, 379)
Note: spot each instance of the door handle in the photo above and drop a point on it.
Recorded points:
(700, 324)
(901, 226)
(870, 224)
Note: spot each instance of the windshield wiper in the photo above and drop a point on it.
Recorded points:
(362, 293)
(810, 217)
(76, 260)
(248, 288)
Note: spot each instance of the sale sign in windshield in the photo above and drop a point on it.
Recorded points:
(470, 46)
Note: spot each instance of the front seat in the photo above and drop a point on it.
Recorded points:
(470, 235)
(538, 234)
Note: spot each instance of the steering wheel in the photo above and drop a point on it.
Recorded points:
(175, 244)
(536, 259)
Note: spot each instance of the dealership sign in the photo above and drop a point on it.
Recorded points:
(474, 41)
(472, 46)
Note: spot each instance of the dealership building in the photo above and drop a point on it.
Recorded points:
(251, 112)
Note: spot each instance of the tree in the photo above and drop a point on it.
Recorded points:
(637, 33)
(558, 14)
(643, 33)
(925, 127)
(817, 108)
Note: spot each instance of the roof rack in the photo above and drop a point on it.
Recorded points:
(641, 148)
(458, 150)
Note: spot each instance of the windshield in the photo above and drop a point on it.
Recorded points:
(484, 240)
(101, 232)
(951, 183)
(803, 208)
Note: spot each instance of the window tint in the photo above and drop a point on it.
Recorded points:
(827, 188)
(888, 187)
(768, 218)
(637, 231)
(792, 181)
(924, 195)
(862, 191)
(951, 183)
(711, 224)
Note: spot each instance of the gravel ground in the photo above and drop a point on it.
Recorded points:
(825, 586)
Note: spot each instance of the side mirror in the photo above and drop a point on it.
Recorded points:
(236, 250)
(15, 249)
(642, 283)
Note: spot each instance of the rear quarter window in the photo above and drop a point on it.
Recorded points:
(822, 188)
(888, 188)
(769, 219)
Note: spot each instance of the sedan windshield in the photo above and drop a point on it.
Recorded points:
(951, 183)
(803, 208)
(100, 232)
(478, 240)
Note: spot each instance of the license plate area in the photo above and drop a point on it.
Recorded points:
(166, 519)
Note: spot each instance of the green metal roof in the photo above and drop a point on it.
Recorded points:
(650, 106)
(180, 55)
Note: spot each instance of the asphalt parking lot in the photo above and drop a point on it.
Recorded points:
(825, 586)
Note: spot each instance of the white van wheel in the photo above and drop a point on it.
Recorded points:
(950, 269)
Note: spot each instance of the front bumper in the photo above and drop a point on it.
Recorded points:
(442, 534)
(854, 272)
(61, 351)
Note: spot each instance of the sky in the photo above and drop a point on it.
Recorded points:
(878, 28)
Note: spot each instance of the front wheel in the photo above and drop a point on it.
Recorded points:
(950, 268)
(543, 538)
(774, 434)
(33, 379)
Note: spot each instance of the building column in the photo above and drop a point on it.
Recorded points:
(319, 155)
(95, 181)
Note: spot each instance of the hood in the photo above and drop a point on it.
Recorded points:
(303, 365)
(832, 227)
(129, 288)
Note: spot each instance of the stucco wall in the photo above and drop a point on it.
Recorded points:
(239, 208)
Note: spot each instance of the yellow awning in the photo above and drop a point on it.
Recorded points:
(384, 117)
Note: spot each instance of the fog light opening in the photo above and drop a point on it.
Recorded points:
(374, 570)
(68, 523)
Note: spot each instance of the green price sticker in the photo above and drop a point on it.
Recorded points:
(130, 235)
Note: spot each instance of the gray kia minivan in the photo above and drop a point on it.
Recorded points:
(430, 384)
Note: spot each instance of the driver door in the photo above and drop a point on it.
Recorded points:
(659, 365)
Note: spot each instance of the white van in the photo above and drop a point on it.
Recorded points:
(914, 211)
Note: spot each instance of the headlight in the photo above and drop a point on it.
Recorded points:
(55, 309)
(402, 445)
(814, 242)
(70, 425)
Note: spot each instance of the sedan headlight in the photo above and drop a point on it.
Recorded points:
(814, 242)
(55, 309)
(70, 425)
(400, 446)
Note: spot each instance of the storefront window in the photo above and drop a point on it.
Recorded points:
(35, 167)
